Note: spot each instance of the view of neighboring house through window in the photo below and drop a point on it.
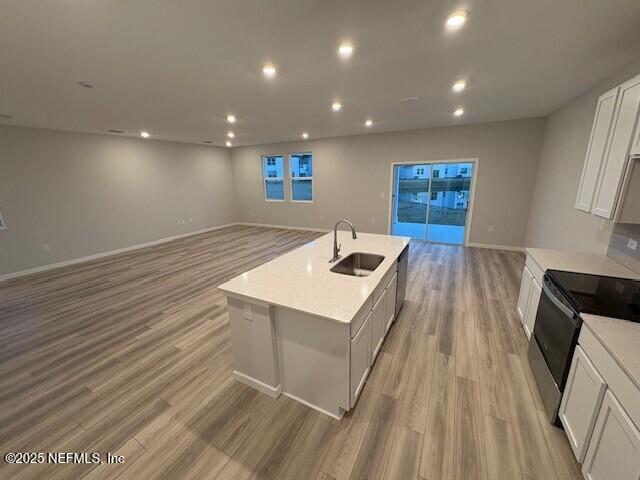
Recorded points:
(301, 165)
(273, 174)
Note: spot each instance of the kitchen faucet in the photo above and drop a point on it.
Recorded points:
(336, 247)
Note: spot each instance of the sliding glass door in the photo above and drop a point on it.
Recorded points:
(431, 201)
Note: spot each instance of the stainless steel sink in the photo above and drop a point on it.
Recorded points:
(358, 264)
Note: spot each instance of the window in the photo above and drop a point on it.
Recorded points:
(436, 174)
(273, 174)
(301, 165)
(434, 195)
(464, 171)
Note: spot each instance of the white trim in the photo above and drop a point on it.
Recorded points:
(273, 392)
(88, 258)
(285, 227)
(311, 405)
(496, 247)
(266, 179)
(472, 198)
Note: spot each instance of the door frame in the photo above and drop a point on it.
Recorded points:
(467, 224)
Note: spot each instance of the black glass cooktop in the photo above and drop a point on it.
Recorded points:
(606, 296)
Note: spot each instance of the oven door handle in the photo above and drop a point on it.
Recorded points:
(561, 306)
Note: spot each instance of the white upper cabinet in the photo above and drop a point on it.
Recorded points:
(595, 151)
(618, 145)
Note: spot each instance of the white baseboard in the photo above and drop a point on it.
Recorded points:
(73, 261)
(495, 247)
(273, 392)
(285, 227)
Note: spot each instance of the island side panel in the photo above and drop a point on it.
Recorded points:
(313, 358)
(255, 361)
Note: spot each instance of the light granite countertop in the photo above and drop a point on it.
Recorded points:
(301, 279)
(621, 338)
(580, 262)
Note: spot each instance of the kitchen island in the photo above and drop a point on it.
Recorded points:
(302, 330)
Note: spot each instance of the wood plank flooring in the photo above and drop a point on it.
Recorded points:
(131, 355)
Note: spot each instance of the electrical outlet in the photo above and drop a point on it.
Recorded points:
(191, 220)
(490, 228)
(46, 247)
(602, 225)
(247, 311)
(373, 220)
(632, 244)
(382, 195)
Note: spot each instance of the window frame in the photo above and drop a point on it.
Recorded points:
(265, 179)
(292, 178)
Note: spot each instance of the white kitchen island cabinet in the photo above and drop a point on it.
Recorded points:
(302, 330)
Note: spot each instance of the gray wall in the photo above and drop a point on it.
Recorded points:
(553, 220)
(84, 194)
(352, 177)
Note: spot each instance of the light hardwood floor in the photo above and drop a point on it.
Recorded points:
(132, 355)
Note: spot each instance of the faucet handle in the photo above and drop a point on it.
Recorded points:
(339, 247)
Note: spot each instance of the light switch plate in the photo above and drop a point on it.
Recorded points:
(632, 244)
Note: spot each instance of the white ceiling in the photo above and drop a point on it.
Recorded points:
(177, 67)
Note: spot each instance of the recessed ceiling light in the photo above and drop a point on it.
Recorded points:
(145, 134)
(458, 112)
(368, 123)
(336, 106)
(269, 70)
(115, 130)
(228, 144)
(231, 118)
(84, 84)
(459, 86)
(457, 18)
(305, 135)
(231, 134)
(345, 50)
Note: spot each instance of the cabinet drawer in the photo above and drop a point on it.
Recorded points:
(379, 290)
(361, 316)
(617, 380)
(535, 269)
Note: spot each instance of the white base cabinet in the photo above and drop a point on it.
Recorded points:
(614, 449)
(378, 325)
(582, 397)
(529, 297)
(360, 359)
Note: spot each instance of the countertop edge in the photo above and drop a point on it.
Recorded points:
(586, 320)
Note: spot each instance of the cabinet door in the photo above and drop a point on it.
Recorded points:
(525, 291)
(614, 449)
(378, 325)
(532, 307)
(581, 402)
(596, 148)
(360, 356)
(391, 301)
(616, 155)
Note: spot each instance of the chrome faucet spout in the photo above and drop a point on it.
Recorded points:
(336, 247)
